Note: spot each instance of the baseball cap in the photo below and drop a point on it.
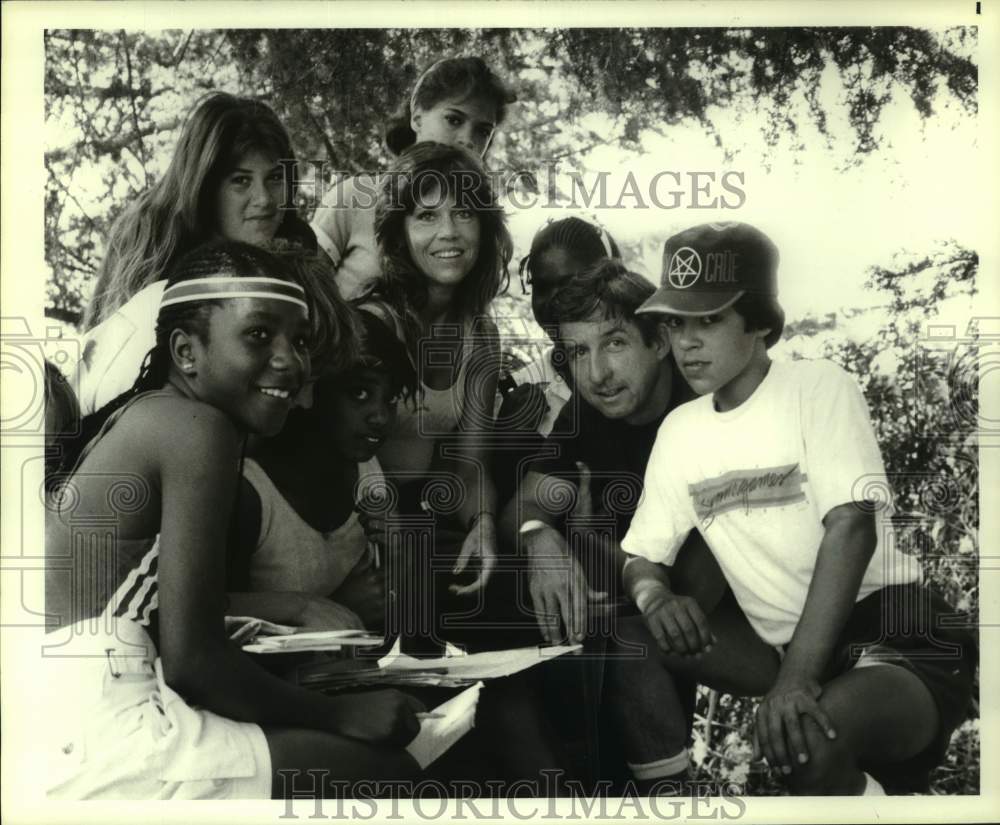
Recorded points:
(709, 267)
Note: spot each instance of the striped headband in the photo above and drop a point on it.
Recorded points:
(208, 289)
(606, 241)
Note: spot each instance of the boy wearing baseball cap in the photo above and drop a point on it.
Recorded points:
(776, 465)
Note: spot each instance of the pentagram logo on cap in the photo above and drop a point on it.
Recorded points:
(685, 268)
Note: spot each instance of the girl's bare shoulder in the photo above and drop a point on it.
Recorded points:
(178, 427)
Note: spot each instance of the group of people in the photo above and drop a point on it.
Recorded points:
(309, 425)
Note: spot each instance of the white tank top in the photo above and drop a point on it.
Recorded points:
(292, 555)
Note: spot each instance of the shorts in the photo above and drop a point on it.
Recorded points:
(123, 733)
(910, 626)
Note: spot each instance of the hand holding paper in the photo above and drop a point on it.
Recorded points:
(444, 726)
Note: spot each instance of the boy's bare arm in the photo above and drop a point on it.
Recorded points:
(678, 623)
(848, 543)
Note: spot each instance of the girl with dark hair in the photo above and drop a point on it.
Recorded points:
(444, 250)
(310, 493)
(458, 101)
(560, 250)
(154, 701)
(231, 177)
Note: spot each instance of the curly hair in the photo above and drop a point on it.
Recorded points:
(177, 213)
(448, 79)
(403, 286)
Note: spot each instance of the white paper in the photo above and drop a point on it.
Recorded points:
(247, 628)
(458, 715)
(489, 664)
(312, 641)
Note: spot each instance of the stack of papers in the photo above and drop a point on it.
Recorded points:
(312, 641)
(247, 628)
(489, 664)
(448, 671)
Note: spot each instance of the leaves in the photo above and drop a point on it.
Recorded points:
(114, 100)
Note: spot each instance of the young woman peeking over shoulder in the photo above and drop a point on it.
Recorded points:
(231, 177)
(457, 101)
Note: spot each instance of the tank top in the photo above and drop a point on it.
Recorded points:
(436, 413)
(290, 553)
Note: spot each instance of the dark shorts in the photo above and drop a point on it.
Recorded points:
(910, 626)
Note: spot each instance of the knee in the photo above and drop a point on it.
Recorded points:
(831, 769)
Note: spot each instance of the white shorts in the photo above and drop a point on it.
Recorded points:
(125, 734)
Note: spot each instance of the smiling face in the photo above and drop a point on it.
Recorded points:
(442, 238)
(616, 371)
(252, 362)
(247, 200)
(717, 354)
(362, 412)
(468, 123)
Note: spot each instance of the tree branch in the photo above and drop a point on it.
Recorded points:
(131, 98)
(67, 316)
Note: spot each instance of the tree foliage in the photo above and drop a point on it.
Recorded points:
(115, 99)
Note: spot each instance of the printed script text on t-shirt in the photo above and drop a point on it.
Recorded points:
(746, 489)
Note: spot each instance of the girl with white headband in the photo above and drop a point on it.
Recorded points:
(458, 101)
(154, 701)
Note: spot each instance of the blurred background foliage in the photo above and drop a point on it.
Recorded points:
(115, 100)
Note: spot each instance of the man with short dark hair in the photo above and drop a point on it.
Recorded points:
(576, 502)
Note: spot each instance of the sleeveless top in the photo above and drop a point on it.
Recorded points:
(126, 569)
(291, 554)
(409, 450)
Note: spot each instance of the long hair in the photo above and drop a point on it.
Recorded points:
(177, 212)
(453, 78)
(216, 259)
(403, 286)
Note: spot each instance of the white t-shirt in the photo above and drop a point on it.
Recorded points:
(757, 482)
(114, 350)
